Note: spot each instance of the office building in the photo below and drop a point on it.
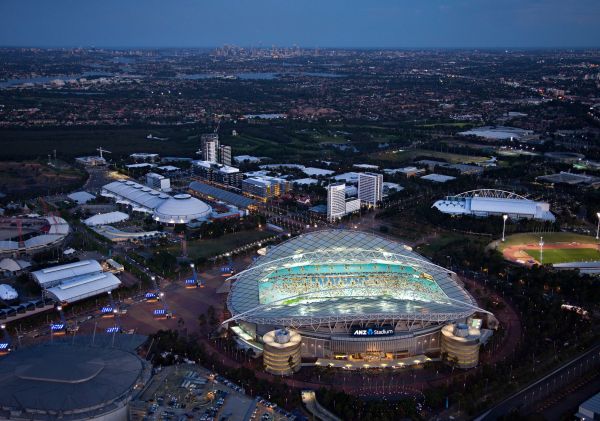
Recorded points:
(220, 174)
(209, 147)
(225, 155)
(265, 187)
(158, 182)
(336, 201)
(370, 188)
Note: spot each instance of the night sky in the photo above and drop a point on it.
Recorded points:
(307, 23)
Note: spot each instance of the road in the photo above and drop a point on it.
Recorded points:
(547, 385)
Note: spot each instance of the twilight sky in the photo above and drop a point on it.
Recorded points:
(308, 23)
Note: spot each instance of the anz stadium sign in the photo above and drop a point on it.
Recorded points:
(373, 331)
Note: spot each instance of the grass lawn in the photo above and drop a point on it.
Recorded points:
(215, 246)
(552, 237)
(565, 255)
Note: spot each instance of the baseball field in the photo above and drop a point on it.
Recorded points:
(559, 247)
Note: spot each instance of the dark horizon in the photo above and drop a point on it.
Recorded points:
(380, 24)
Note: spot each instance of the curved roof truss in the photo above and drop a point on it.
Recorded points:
(497, 194)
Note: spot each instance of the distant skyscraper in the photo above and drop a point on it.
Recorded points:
(336, 201)
(209, 146)
(370, 188)
(225, 155)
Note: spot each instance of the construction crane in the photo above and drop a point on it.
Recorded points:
(101, 151)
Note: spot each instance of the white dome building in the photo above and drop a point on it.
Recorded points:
(181, 209)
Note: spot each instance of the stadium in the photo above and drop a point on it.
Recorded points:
(351, 296)
(487, 202)
(22, 236)
(80, 378)
(165, 209)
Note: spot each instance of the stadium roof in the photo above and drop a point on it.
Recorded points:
(494, 202)
(216, 193)
(446, 300)
(181, 209)
(135, 194)
(61, 380)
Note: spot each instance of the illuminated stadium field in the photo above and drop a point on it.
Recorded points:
(392, 281)
(338, 275)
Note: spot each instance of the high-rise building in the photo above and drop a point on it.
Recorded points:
(209, 147)
(336, 201)
(370, 188)
(225, 155)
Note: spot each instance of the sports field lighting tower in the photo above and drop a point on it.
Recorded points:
(541, 251)
(598, 227)
(504, 218)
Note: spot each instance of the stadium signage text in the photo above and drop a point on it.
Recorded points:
(373, 331)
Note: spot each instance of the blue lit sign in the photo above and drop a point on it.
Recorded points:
(3, 346)
(373, 331)
(160, 312)
(57, 326)
(107, 309)
(190, 282)
(114, 329)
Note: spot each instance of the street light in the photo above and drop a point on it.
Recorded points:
(598, 228)
(504, 218)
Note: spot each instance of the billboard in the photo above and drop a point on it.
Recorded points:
(367, 331)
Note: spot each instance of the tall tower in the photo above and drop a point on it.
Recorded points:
(370, 188)
(209, 145)
(336, 201)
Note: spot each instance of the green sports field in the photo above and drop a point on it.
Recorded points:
(565, 255)
(549, 238)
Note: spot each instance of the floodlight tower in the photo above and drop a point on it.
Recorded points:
(541, 251)
(598, 227)
(5, 344)
(504, 218)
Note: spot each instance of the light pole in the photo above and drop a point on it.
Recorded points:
(598, 228)
(541, 251)
(504, 218)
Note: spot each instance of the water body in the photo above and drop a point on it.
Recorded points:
(40, 80)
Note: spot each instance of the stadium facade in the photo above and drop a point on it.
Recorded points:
(350, 295)
(487, 202)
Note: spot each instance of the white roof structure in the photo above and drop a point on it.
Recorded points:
(181, 209)
(83, 287)
(12, 265)
(55, 275)
(487, 202)
(134, 194)
(7, 292)
(75, 281)
(345, 276)
(81, 197)
(438, 178)
(106, 218)
(178, 209)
